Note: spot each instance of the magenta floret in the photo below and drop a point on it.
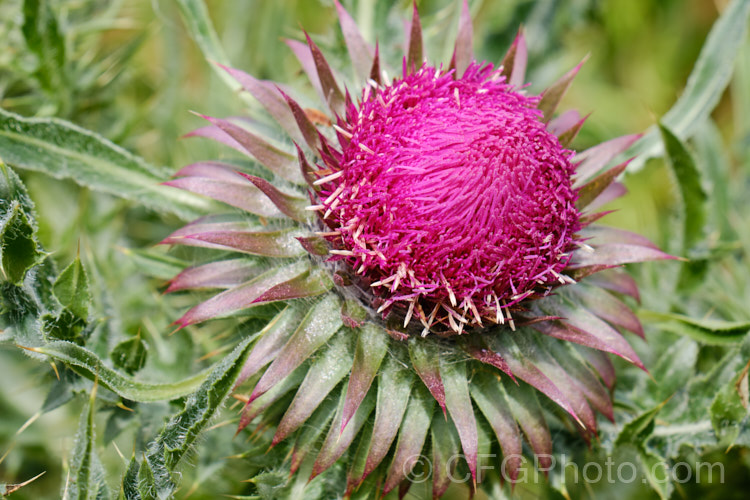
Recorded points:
(453, 190)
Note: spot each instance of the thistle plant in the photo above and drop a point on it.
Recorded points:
(437, 256)
(394, 277)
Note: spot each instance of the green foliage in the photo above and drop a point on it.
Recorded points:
(86, 479)
(90, 366)
(154, 476)
(44, 39)
(63, 150)
(72, 289)
(18, 246)
(130, 355)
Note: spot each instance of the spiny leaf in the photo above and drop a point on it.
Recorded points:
(72, 289)
(692, 211)
(656, 470)
(639, 429)
(129, 355)
(714, 159)
(675, 365)
(729, 408)
(693, 196)
(63, 326)
(131, 485)
(86, 476)
(707, 331)
(64, 150)
(90, 366)
(12, 189)
(634, 436)
(18, 245)
(179, 434)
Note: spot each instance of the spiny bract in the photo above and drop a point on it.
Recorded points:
(445, 202)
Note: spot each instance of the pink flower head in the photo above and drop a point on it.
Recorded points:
(452, 194)
(446, 201)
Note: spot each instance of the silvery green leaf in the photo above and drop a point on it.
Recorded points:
(66, 151)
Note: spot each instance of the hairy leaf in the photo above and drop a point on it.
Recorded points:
(692, 195)
(179, 434)
(86, 476)
(707, 331)
(18, 245)
(129, 355)
(90, 366)
(64, 150)
(72, 289)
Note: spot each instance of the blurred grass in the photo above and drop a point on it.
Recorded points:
(133, 74)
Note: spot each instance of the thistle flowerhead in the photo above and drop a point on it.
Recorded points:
(426, 236)
(451, 198)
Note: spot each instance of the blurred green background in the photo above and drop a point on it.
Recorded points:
(129, 71)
